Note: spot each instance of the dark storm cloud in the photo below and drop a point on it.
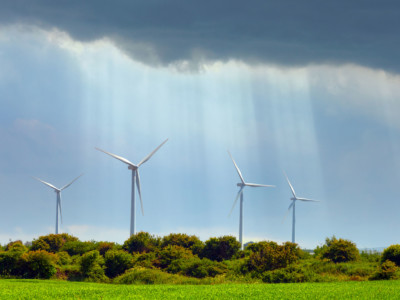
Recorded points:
(285, 32)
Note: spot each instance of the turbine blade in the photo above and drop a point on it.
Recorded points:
(291, 187)
(124, 160)
(287, 212)
(139, 190)
(59, 205)
(151, 154)
(305, 199)
(236, 199)
(46, 183)
(237, 168)
(64, 187)
(258, 185)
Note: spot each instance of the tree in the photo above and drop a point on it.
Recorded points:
(38, 264)
(78, 247)
(92, 266)
(270, 256)
(221, 248)
(141, 242)
(391, 253)
(117, 262)
(52, 242)
(180, 239)
(339, 250)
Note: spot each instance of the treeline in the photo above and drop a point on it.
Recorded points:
(182, 258)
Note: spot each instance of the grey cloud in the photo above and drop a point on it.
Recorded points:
(284, 32)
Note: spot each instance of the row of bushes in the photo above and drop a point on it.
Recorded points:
(182, 256)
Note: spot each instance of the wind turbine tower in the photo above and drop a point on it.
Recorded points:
(242, 184)
(293, 205)
(58, 192)
(135, 180)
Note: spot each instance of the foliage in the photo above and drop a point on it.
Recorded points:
(103, 247)
(63, 258)
(391, 253)
(221, 248)
(52, 242)
(291, 274)
(370, 256)
(191, 242)
(78, 247)
(38, 264)
(91, 266)
(16, 246)
(140, 275)
(270, 256)
(141, 242)
(387, 270)
(117, 262)
(170, 253)
(339, 250)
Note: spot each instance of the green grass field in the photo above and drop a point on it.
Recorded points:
(51, 289)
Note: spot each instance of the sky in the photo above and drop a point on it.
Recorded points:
(310, 88)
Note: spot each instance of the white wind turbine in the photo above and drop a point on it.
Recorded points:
(293, 204)
(242, 185)
(135, 180)
(58, 192)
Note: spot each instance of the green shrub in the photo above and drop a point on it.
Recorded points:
(191, 242)
(10, 263)
(78, 247)
(391, 253)
(387, 270)
(146, 260)
(38, 264)
(54, 242)
(92, 266)
(142, 242)
(339, 250)
(117, 262)
(197, 267)
(290, 274)
(370, 256)
(103, 247)
(16, 246)
(171, 253)
(271, 256)
(221, 248)
(140, 275)
(63, 258)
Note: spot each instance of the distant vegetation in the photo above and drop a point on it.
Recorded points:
(184, 259)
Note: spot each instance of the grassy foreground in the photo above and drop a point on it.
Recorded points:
(52, 289)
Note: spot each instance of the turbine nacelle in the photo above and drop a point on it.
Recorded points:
(133, 167)
(241, 184)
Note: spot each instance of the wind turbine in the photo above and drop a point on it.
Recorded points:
(293, 204)
(58, 192)
(242, 185)
(135, 179)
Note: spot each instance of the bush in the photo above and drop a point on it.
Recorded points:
(391, 253)
(291, 274)
(91, 266)
(78, 247)
(103, 247)
(196, 267)
(52, 242)
(387, 270)
(221, 248)
(171, 253)
(16, 246)
(271, 256)
(38, 264)
(339, 250)
(140, 275)
(117, 262)
(63, 258)
(142, 242)
(179, 239)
